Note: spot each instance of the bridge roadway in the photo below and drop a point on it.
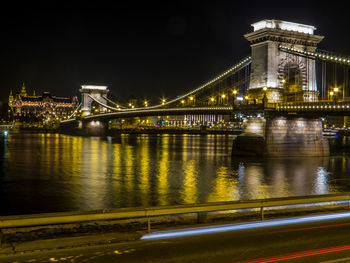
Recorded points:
(314, 109)
(326, 241)
(224, 110)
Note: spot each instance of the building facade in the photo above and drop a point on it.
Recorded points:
(44, 108)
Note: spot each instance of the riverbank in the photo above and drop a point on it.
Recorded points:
(113, 131)
(172, 131)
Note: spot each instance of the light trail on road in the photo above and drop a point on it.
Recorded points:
(244, 226)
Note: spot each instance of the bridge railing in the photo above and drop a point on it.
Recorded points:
(149, 212)
(315, 106)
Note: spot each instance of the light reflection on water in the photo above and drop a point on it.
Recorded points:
(52, 172)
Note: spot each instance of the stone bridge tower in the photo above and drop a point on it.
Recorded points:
(91, 91)
(281, 76)
(286, 77)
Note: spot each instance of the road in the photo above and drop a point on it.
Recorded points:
(323, 241)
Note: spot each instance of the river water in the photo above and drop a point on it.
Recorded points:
(53, 172)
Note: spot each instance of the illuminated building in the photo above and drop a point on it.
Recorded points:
(40, 108)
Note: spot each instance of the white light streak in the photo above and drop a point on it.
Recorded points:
(244, 226)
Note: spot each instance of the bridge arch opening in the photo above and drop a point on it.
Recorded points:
(292, 82)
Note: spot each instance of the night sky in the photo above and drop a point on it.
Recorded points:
(148, 49)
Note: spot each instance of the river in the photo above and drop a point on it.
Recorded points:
(54, 172)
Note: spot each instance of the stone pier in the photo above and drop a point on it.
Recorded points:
(281, 137)
(84, 127)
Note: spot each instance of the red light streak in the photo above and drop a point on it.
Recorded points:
(301, 254)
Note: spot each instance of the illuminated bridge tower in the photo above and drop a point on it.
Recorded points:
(286, 77)
(280, 76)
(91, 95)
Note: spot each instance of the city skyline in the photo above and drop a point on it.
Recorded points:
(140, 49)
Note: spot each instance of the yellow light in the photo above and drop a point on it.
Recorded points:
(223, 96)
(283, 81)
(129, 104)
(163, 100)
(336, 89)
(191, 98)
(246, 97)
(182, 101)
(265, 88)
(234, 92)
(331, 93)
(212, 99)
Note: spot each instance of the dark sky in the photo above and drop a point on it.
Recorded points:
(149, 48)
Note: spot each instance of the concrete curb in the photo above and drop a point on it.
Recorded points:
(69, 242)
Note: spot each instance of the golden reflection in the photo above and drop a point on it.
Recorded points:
(163, 184)
(56, 157)
(184, 147)
(129, 173)
(255, 183)
(75, 154)
(117, 172)
(47, 153)
(279, 187)
(94, 173)
(190, 194)
(226, 187)
(145, 172)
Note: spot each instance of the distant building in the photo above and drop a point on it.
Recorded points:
(40, 108)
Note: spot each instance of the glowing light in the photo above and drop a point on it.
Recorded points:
(191, 98)
(246, 97)
(331, 93)
(284, 25)
(93, 87)
(234, 91)
(223, 96)
(5, 133)
(336, 89)
(265, 88)
(182, 101)
(244, 226)
(212, 99)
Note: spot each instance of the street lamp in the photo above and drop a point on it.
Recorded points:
(264, 100)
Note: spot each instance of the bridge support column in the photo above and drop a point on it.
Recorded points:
(281, 136)
(94, 128)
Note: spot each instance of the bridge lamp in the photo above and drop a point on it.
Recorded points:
(212, 99)
(223, 96)
(234, 92)
(191, 98)
(146, 103)
(331, 93)
(182, 101)
(265, 88)
(336, 89)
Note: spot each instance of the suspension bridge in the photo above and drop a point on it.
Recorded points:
(281, 90)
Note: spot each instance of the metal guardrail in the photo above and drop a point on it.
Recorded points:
(149, 212)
